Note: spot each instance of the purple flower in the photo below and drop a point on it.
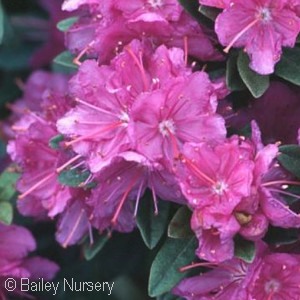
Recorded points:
(261, 27)
(16, 244)
(182, 112)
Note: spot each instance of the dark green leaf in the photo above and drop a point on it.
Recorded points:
(173, 255)
(209, 12)
(8, 181)
(168, 296)
(64, 63)
(2, 149)
(179, 226)
(54, 142)
(244, 250)
(257, 84)
(73, 177)
(289, 67)
(280, 236)
(290, 159)
(90, 251)
(6, 213)
(233, 78)
(151, 226)
(192, 7)
(65, 24)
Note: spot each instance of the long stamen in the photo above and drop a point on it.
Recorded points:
(91, 233)
(154, 200)
(76, 60)
(84, 137)
(61, 168)
(226, 50)
(174, 144)
(69, 237)
(192, 167)
(37, 185)
(285, 193)
(99, 109)
(186, 47)
(122, 201)
(196, 265)
(138, 197)
(284, 182)
(140, 66)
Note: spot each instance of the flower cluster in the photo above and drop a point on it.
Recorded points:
(142, 112)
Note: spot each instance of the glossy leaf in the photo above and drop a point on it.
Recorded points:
(290, 159)
(173, 255)
(256, 83)
(151, 226)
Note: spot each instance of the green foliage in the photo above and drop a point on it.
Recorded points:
(65, 24)
(173, 255)
(6, 213)
(257, 84)
(244, 249)
(90, 251)
(1, 23)
(289, 68)
(151, 226)
(179, 226)
(233, 78)
(8, 180)
(289, 158)
(63, 63)
(73, 178)
(55, 141)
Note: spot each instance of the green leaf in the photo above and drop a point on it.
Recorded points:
(209, 12)
(192, 7)
(8, 181)
(73, 177)
(179, 226)
(257, 84)
(90, 251)
(168, 296)
(54, 142)
(290, 159)
(233, 78)
(151, 226)
(6, 213)
(244, 249)
(2, 23)
(63, 63)
(65, 24)
(281, 236)
(173, 255)
(289, 68)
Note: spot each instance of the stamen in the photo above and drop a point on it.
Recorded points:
(95, 107)
(226, 50)
(192, 167)
(196, 265)
(37, 185)
(284, 182)
(76, 60)
(91, 233)
(186, 49)
(74, 228)
(140, 66)
(61, 168)
(138, 197)
(154, 200)
(88, 136)
(284, 193)
(122, 201)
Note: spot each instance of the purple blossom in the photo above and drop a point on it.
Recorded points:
(261, 27)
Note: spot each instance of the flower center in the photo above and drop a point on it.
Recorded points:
(264, 14)
(272, 286)
(124, 118)
(155, 3)
(166, 127)
(220, 187)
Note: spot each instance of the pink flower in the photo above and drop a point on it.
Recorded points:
(269, 276)
(122, 183)
(16, 244)
(182, 112)
(262, 27)
(277, 278)
(216, 177)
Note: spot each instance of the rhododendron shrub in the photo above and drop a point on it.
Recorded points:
(161, 124)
